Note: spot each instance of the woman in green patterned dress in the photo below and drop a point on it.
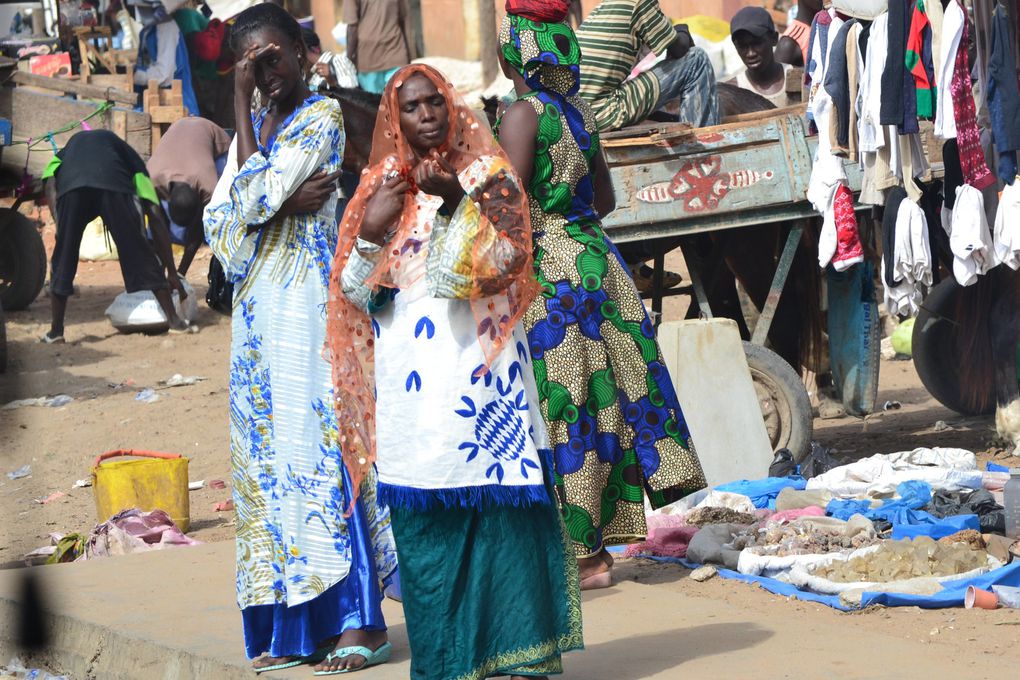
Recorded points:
(613, 416)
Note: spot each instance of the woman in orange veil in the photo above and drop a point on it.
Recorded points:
(433, 385)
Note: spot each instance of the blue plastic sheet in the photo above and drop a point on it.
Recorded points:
(951, 595)
(896, 511)
(908, 521)
(940, 528)
(995, 467)
(763, 492)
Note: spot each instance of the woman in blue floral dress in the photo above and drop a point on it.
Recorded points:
(308, 578)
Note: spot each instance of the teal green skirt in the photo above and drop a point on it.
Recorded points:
(487, 592)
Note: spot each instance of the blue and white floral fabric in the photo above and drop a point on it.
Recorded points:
(448, 433)
(293, 541)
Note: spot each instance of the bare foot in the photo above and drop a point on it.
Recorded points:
(267, 661)
(372, 639)
(591, 566)
(607, 558)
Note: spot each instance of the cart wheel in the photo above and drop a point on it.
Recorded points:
(22, 260)
(785, 405)
(936, 352)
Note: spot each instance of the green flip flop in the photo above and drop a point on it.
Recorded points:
(317, 656)
(381, 655)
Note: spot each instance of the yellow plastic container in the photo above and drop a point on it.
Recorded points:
(157, 482)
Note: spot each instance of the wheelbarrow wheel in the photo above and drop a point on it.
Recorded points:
(22, 260)
(936, 349)
(785, 405)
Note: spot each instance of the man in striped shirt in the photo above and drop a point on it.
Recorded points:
(611, 39)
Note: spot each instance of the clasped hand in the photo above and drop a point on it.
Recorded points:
(434, 175)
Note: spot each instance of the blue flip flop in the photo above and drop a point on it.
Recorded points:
(381, 655)
(317, 656)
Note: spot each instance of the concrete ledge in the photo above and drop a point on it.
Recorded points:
(171, 615)
(168, 614)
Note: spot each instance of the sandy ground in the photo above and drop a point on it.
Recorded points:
(103, 370)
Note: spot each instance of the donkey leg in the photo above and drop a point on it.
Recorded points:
(1004, 327)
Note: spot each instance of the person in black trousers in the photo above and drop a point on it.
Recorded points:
(98, 175)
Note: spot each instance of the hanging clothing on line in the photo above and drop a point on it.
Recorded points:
(936, 16)
(875, 151)
(907, 271)
(855, 67)
(952, 32)
(1006, 234)
(972, 157)
(837, 86)
(895, 66)
(918, 60)
(969, 237)
(818, 47)
(1004, 96)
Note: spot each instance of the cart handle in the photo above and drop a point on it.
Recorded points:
(133, 452)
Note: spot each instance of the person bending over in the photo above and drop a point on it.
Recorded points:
(98, 175)
(184, 169)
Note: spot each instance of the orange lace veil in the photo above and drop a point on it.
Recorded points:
(497, 262)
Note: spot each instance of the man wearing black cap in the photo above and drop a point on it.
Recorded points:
(755, 37)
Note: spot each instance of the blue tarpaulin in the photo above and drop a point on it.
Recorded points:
(763, 492)
(951, 594)
(908, 521)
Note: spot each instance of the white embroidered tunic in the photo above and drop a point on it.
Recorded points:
(444, 434)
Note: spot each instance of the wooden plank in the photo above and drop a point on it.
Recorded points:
(166, 114)
(72, 87)
(118, 123)
(762, 115)
(121, 81)
(34, 114)
(673, 134)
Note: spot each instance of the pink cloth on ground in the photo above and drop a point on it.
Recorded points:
(789, 515)
(133, 531)
(668, 541)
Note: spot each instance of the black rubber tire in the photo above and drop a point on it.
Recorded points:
(3, 341)
(935, 349)
(22, 261)
(784, 401)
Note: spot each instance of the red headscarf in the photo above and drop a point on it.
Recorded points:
(544, 11)
(501, 269)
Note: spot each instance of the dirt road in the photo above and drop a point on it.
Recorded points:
(103, 370)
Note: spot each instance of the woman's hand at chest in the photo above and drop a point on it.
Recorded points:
(383, 210)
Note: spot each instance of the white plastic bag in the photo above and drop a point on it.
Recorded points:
(140, 311)
(96, 244)
(861, 9)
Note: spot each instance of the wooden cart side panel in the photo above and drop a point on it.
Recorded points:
(33, 114)
(728, 170)
(726, 177)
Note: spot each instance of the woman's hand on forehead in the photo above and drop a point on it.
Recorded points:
(257, 52)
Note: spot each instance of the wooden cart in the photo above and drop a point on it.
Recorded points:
(672, 181)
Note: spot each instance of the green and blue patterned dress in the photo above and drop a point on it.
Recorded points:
(614, 420)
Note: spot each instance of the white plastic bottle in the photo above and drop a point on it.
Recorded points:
(1011, 501)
